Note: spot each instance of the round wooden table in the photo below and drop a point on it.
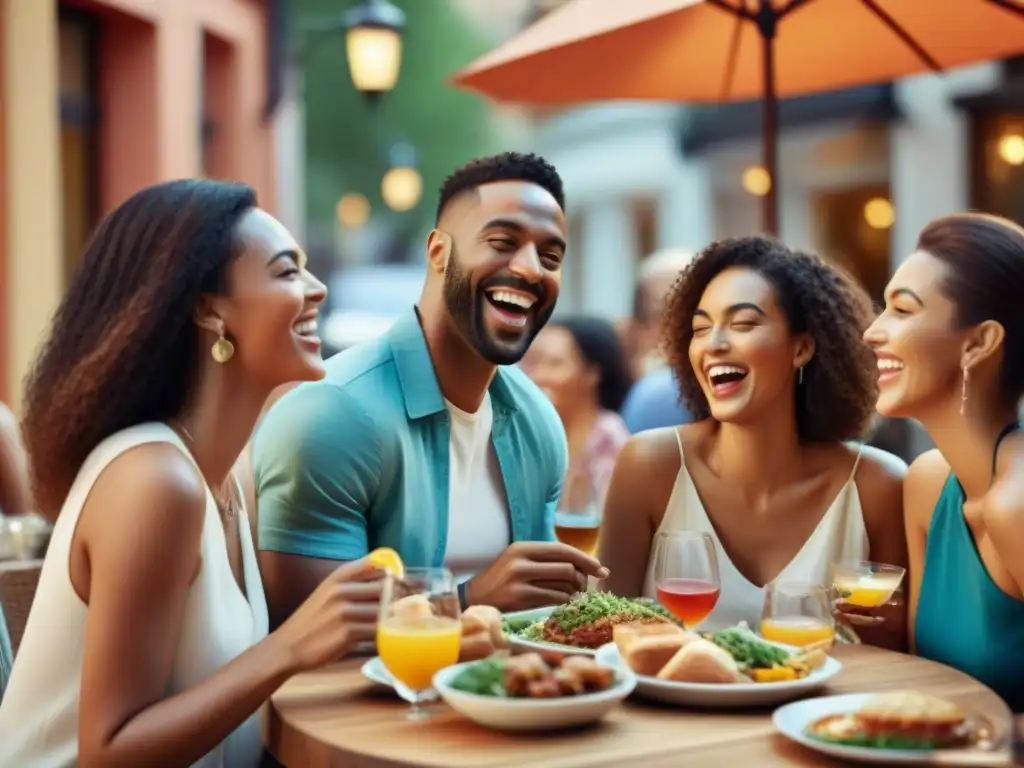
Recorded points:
(335, 717)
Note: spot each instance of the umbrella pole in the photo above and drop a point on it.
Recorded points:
(766, 19)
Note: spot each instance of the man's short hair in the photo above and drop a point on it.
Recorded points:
(508, 166)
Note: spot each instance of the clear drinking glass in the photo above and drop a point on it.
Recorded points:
(686, 575)
(797, 613)
(578, 518)
(866, 584)
(419, 631)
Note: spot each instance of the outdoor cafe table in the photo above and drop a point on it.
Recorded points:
(335, 717)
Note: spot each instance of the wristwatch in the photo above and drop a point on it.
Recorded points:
(463, 601)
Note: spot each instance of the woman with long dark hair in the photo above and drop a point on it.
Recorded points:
(147, 640)
(950, 351)
(579, 364)
(766, 344)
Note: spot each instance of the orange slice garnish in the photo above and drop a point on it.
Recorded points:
(389, 560)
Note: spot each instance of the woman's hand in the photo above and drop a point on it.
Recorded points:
(884, 625)
(341, 612)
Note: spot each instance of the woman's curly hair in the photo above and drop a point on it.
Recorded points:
(123, 346)
(840, 382)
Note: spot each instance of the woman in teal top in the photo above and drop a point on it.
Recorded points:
(950, 347)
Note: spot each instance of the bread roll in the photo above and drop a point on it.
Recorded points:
(482, 633)
(701, 661)
(624, 635)
(485, 617)
(649, 655)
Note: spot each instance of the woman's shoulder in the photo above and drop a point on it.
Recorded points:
(140, 461)
(1006, 497)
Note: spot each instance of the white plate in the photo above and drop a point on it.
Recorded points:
(792, 721)
(540, 614)
(720, 696)
(375, 671)
(518, 715)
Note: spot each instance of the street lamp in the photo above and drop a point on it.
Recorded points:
(402, 185)
(373, 41)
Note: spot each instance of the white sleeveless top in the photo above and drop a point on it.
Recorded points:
(840, 536)
(39, 714)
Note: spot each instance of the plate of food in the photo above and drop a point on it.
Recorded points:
(891, 728)
(728, 668)
(533, 691)
(581, 625)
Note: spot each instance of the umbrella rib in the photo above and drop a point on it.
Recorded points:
(903, 35)
(1009, 6)
(730, 65)
(791, 6)
(742, 13)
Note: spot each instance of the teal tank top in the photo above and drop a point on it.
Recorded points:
(963, 619)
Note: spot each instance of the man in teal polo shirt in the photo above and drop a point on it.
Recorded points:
(426, 440)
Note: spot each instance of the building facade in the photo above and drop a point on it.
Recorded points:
(855, 187)
(100, 98)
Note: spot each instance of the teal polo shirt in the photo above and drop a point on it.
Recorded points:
(360, 459)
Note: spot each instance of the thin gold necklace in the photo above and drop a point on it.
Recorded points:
(225, 506)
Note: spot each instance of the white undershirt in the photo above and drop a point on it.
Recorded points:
(478, 520)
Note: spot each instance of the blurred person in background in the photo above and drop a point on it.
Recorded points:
(654, 399)
(579, 364)
(767, 344)
(15, 495)
(950, 354)
(14, 500)
(147, 643)
(429, 440)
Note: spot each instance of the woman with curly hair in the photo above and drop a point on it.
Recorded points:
(147, 640)
(766, 344)
(950, 349)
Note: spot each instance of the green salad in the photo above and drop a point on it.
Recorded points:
(484, 678)
(749, 650)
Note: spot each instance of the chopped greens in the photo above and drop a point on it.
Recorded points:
(484, 678)
(533, 632)
(516, 626)
(748, 649)
(879, 741)
(587, 607)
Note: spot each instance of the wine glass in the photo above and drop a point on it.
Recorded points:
(686, 575)
(797, 613)
(866, 584)
(578, 518)
(419, 631)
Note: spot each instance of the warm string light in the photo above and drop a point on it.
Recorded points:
(879, 213)
(757, 181)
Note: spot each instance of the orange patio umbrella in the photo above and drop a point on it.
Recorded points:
(730, 50)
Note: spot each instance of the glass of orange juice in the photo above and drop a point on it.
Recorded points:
(419, 631)
(866, 584)
(797, 613)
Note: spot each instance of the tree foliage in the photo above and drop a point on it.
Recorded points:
(347, 142)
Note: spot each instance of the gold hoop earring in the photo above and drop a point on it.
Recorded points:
(222, 349)
(963, 391)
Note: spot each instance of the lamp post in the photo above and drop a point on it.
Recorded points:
(402, 184)
(373, 42)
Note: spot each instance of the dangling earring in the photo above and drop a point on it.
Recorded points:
(222, 349)
(800, 376)
(963, 392)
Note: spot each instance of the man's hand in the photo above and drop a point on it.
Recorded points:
(531, 574)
